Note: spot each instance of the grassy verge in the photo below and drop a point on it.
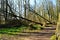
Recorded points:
(18, 30)
(13, 30)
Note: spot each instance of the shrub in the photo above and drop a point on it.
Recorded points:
(36, 27)
(53, 37)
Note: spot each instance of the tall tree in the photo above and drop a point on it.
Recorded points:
(58, 20)
(24, 8)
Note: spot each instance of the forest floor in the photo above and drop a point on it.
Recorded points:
(44, 34)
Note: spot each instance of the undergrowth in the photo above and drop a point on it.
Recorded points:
(17, 30)
(53, 37)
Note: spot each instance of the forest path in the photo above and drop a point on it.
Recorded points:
(44, 34)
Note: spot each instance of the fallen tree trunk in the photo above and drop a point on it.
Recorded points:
(40, 15)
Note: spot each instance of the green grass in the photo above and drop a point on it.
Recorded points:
(13, 30)
(18, 30)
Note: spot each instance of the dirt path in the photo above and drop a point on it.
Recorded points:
(45, 34)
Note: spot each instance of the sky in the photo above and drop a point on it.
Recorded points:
(39, 1)
(54, 2)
